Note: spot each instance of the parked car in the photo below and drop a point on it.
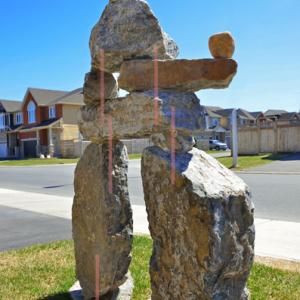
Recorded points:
(217, 145)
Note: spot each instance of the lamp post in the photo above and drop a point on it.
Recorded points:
(234, 130)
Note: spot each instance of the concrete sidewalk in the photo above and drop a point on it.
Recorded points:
(277, 239)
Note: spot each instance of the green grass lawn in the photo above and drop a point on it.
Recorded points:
(47, 272)
(245, 162)
(216, 152)
(51, 161)
(135, 156)
(37, 162)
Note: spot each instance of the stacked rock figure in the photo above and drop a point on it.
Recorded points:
(200, 214)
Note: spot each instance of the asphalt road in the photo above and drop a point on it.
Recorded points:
(276, 196)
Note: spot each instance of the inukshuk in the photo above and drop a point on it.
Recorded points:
(200, 214)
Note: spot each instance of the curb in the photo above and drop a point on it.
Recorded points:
(267, 173)
(279, 263)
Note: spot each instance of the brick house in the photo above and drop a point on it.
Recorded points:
(11, 118)
(49, 121)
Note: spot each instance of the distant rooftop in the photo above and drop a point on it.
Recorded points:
(274, 112)
(11, 105)
(45, 97)
(74, 97)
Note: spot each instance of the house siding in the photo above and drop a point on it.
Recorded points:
(71, 114)
(27, 135)
(3, 137)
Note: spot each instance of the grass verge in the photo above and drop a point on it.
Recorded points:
(47, 272)
(50, 161)
(245, 162)
(38, 162)
(135, 156)
(216, 151)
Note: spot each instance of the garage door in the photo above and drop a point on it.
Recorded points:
(29, 148)
(3, 150)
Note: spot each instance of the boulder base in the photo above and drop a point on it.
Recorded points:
(124, 292)
(201, 226)
(102, 219)
(128, 29)
(179, 75)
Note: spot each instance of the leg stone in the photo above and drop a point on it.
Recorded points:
(201, 226)
(102, 219)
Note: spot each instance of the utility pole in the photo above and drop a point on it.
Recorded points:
(234, 132)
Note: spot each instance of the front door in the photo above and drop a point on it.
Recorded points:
(29, 149)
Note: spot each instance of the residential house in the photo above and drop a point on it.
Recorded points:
(10, 119)
(50, 120)
(260, 119)
(218, 122)
(288, 118)
(244, 118)
(274, 114)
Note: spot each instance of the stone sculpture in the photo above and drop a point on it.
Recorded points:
(200, 213)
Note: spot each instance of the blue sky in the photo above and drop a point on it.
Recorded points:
(45, 44)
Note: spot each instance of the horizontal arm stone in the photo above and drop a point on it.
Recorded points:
(178, 75)
(133, 116)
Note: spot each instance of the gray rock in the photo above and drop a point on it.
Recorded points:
(181, 75)
(180, 143)
(124, 292)
(201, 226)
(128, 29)
(133, 116)
(102, 221)
(92, 87)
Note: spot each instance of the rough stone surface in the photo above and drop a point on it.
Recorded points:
(178, 75)
(124, 292)
(92, 87)
(102, 221)
(221, 45)
(133, 116)
(128, 29)
(202, 227)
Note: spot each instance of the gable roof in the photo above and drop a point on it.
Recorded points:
(274, 112)
(11, 106)
(44, 97)
(245, 113)
(74, 97)
(242, 113)
(289, 116)
(256, 114)
(210, 110)
(225, 112)
(213, 108)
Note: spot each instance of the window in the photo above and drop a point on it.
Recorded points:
(31, 112)
(19, 118)
(2, 121)
(215, 122)
(52, 113)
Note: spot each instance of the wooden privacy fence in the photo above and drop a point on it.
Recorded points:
(75, 148)
(276, 138)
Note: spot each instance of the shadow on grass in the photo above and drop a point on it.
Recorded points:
(60, 296)
(283, 157)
